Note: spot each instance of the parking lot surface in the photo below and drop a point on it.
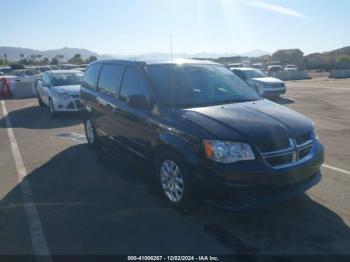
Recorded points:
(73, 201)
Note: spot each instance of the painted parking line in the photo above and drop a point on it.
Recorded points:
(336, 169)
(39, 243)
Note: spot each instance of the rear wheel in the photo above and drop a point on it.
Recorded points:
(90, 133)
(40, 101)
(174, 180)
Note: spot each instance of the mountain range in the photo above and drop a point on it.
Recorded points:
(14, 54)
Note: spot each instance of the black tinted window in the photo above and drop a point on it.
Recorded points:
(109, 82)
(133, 84)
(91, 76)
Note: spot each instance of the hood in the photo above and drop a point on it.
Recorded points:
(249, 121)
(70, 90)
(268, 80)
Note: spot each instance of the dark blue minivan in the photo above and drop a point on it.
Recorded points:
(202, 130)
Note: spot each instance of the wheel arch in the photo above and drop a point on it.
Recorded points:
(176, 144)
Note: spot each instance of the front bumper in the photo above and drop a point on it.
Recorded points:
(67, 105)
(251, 184)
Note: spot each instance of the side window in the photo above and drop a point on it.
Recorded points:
(133, 84)
(109, 82)
(91, 76)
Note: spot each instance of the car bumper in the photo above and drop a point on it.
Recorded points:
(67, 105)
(251, 184)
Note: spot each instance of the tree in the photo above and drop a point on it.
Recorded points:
(90, 59)
(60, 58)
(54, 61)
(2, 62)
(76, 59)
(343, 59)
(5, 59)
(45, 61)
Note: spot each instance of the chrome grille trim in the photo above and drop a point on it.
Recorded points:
(294, 150)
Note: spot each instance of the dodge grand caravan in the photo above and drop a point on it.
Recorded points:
(201, 130)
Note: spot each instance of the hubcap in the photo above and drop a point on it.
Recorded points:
(172, 180)
(89, 131)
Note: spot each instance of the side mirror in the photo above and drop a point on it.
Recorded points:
(139, 102)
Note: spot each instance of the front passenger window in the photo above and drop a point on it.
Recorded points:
(133, 84)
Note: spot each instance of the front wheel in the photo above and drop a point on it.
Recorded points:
(52, 108)
(174, 180)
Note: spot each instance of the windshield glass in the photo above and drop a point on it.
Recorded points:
(198, 85)
(253, 74)
(66, 79)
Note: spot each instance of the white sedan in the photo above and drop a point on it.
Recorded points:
(264, 85)
(60, 90)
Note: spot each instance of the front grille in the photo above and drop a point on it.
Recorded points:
(279, 160)
(296, 150)
(304, 152)
(278, 85)
(301, 139)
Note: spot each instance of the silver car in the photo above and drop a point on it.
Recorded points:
(264, 85)
(60, 90)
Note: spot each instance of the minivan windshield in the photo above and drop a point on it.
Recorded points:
(66, 79)
(197, 85)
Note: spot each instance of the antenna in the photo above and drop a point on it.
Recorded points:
(171, 47)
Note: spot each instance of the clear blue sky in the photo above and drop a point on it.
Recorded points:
(142, 26)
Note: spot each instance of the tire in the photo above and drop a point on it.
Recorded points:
(177, 189)
(40, 101)
(53, 113)
(90, 133)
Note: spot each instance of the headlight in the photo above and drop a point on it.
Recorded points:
(61, 95)
(227, 152)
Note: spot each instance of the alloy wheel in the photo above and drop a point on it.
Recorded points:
(90, 135)
(172, 180)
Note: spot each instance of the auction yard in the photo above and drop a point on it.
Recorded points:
(78, 203)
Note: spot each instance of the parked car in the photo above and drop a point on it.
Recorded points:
(264, 85)
(5, 70)
(59, 90)
(201, 130)
(259, 66)
(26, 76)
(289, 68)
(274, 68)
(232, 65)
